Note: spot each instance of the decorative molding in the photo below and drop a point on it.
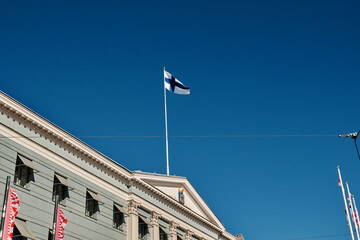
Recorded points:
(228, 235)
(53, 133)
(173, 227)
(174, 202)
(153, 179)
(133, 206)
(239, 236)
(154, 218)
(188, 234)
(61, 161)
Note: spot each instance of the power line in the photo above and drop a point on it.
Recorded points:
(189, 136)
(316, 237)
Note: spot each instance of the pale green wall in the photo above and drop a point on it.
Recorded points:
(36, 205)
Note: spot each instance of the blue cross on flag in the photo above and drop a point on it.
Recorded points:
(174, 85)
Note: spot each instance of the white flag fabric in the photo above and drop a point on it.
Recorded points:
(352, 212)
(174, 85)
(61, 222)
(12, 209)
(356, 213)
(346, 208)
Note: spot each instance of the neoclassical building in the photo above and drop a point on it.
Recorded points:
(100, 198)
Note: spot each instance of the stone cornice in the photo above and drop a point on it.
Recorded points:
(228, 235)
(152, 179)
(50, 131)
(177, 204)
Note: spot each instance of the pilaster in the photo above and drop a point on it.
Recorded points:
(154, 220)
(188, 235)
(173, 230)
(133, 220)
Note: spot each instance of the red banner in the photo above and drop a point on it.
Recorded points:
(61, 221)
(12, 209)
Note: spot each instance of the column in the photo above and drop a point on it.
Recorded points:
(173, 230)
(133, 220)
(154, 220)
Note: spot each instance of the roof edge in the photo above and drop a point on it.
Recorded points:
(73, 143)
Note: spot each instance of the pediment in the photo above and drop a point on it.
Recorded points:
(170, 185)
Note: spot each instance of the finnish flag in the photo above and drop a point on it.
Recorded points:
(174, 85)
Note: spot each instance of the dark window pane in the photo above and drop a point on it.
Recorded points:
(92, 206)
(22, 174)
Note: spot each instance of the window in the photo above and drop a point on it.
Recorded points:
(92, 204)
(118, 217)
(163, 235)
(17, 234)
(60, 188)
(24, 171)
(22, 231)
(143, 228)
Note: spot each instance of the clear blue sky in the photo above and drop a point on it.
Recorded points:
(254, 68)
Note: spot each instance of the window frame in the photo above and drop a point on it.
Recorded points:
(23, 173)
(163, 235)
(143, 229)
(118, 218)
(60, 189)
(91, 205)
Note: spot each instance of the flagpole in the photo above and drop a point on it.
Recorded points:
(55, 215)
(352, 211)
(4, 206)
(166, 131)
(346, 208)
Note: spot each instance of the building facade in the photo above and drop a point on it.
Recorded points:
(100, 198)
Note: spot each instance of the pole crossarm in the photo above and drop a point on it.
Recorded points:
(354, 136)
